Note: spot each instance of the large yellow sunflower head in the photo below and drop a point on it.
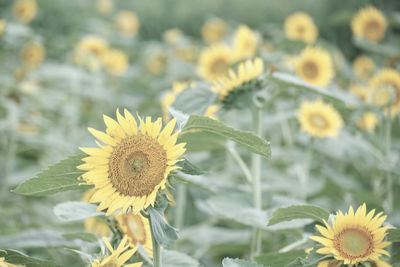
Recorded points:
(132, 164)
(127, 23)
(354, 237)
(214, 30)
(368, 121)
(245, 43)
(385, 88)
(104, 6)
(335, 263)
(319, 119)
(315, 66)
(363, 67)
(118, 256)
(3, 24)
(32, 55)
(300, 26)
(25, 10)
(369, 23)
(214, 62)
(137, 229)
(115, 62)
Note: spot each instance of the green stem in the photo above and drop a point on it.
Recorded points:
(180, 205)
(240, 161)
(256, 183)
(156, 247)
(307, 167)
(388, 144)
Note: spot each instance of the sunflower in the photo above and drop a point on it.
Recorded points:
(118, 256)
(89, 50)
(172, 36)
(170, 97)
(127, 23)
(380, 83)
(315, 66)
(3, 24)
(157, 63)
(363, 67)
(214, 30)
(137, 229)
(247, 71)
(32, 55)
(133, 165)
(245, 43)
(367, 121)
(354, 237)
(93, 225)
(211, 111)
(300, 26)
(104, 6)
(360, 91)
(369, 23)
(214, 62)
(25, 10)
(335, 263)
(319, 119)
(115, 62)
(188, 53)
(3, 263)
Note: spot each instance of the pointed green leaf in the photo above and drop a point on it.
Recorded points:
(393, 235)
(164, 233)
(298, 212)
(276, 259)
(15, 257)
(189, 168)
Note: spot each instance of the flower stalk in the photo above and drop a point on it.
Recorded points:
(156, 247)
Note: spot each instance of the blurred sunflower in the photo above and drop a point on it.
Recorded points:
(354, 237)
(172, 36)
(137, 229)
(367, 121)
(214, 62)
(127, 23)
(104, 6)
(245, 43)
(94, 225)
(363, 67)
(170, 97)
(25, 10)
(3, 263)
(360, 91)
(132, 166)
(335, 263)
(88, 52)
(319, 119)
(118, 256)
(214, 30)
(300, 26)
(188, 53)
(383, 85)
(32, 55)
(157, 63)
(211, 111)
(369, 23)
(247, 71)
(115, 62)
(3, 24)
(315, 66)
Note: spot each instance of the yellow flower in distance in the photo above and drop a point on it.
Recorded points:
(104, 6)
(3, 263)
(315, 66)
(319, 119)
(118, 256)
(214, 62)
(369, 23)
(172, 36)
(32, 55)
(188, 53)
(157, 63)
(245, 43)
(127, 23)
(367, 121)
(137, 229)
(170, 97)
(354, 237)
(93, 225)
(92, 44)
(246, 72)
(363, 67)
(300, 27)
(25, 10)
(3, 24)
(115, 62)
(214, 30)
(360, 91)
(211, 111)
(131, 165)
(383, 85)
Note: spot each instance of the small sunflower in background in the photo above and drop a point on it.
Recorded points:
(360, 91)
(157, 63)
(188, 53)
(94, 225)
(3, 263)
(3, 24)
(245, 43)
(354, 237)
(314, 65)
(88, 52)
(385, 88)
(25, 10)
(300, 27)
(32, 55)
(363, 67)
(212, 111)
(214, 30)
(170, 97)
(115, 62)
(172, 36)
(119, 256)
(131, 165)
(369, 23)
(127, 23)
(214, 62)
(368, 121)
(319, 119)
(137, 229)
(104, 6)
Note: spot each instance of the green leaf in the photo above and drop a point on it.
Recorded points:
(75, 211)
(82, 236)
(276, 259)
(311, 260)
(15, 257)
(298, 212)
(170, 258)
(35, 239)
(393, 235)
(228, 262)
(383, 49)
(57, 178)
(246, 139)
(189, 168)
(202, 141)
(164, 233)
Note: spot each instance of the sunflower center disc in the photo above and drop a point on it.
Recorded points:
(137, 165)
(372, 28)
(136, 230)
(318, 121)
(354, 242)
(219, 66)
(310, 70)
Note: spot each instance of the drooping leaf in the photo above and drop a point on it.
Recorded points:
(59, 177)
(228, 262)
(248, 140)
(298, 212)
(393, 235)
(15, 257)
(75, 211)
(164, 233)
(189, 168)
(276, 259)
(171, 258)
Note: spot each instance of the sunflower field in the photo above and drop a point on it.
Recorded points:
(172, 133)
